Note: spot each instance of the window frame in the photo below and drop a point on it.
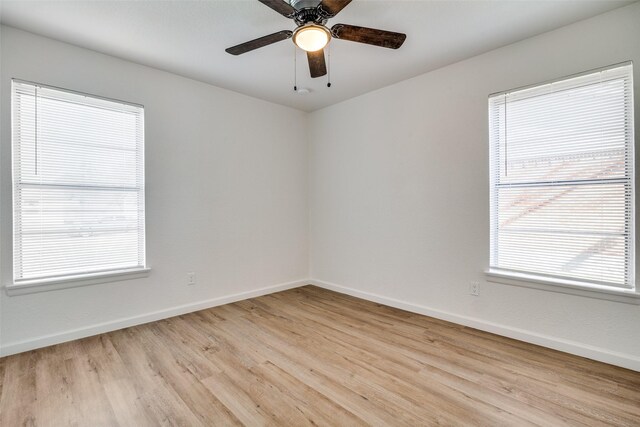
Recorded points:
(62, 281)
(561, 285)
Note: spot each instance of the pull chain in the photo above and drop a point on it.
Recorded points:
(329, 65)
(295, 69)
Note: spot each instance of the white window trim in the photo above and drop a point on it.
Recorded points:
(628, 296)
(63, 282)
(502, 277)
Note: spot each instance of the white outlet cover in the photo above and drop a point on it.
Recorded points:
(474, 288)
(191, 278)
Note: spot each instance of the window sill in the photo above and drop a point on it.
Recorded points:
(43, 285)
(627, 296)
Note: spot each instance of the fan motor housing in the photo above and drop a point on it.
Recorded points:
(303, 4)
(309, 15)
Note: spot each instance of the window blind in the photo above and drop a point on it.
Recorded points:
(78, 183)
(562, 179)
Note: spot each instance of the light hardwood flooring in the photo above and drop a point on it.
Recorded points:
(309, 356)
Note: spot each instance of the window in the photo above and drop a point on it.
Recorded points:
(78, 185)
(562, 180)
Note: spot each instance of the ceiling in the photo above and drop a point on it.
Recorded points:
(189, 37)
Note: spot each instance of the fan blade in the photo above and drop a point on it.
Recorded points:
(317, 66)
(332, 7)
(258, 43)
(368, 35)
(280, 6)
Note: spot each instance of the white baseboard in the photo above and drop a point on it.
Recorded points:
(628, 361)
(596, 353)
(100, 328)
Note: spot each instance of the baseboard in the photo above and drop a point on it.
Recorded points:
(591, 352)
(100, 328)
(628, 361)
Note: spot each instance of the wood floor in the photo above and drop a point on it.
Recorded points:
(310, 357)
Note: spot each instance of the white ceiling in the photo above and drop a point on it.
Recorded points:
(189, 37)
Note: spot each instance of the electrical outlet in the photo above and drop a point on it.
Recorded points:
(474, 288)
(191, 279)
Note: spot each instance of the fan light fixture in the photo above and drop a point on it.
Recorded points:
(312, 34)
(311, 37)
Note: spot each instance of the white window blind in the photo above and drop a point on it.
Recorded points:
(562, 179)
(78, 184)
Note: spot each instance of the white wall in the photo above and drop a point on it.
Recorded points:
(226, 179)
(400, 193)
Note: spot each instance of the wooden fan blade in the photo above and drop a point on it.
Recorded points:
(371, 36)
(317, 66)
(260, 42)
(332, 7)
(279, 6)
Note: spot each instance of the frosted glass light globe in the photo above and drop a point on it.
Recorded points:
(311, 37)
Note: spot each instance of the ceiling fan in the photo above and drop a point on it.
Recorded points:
(312, 34)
